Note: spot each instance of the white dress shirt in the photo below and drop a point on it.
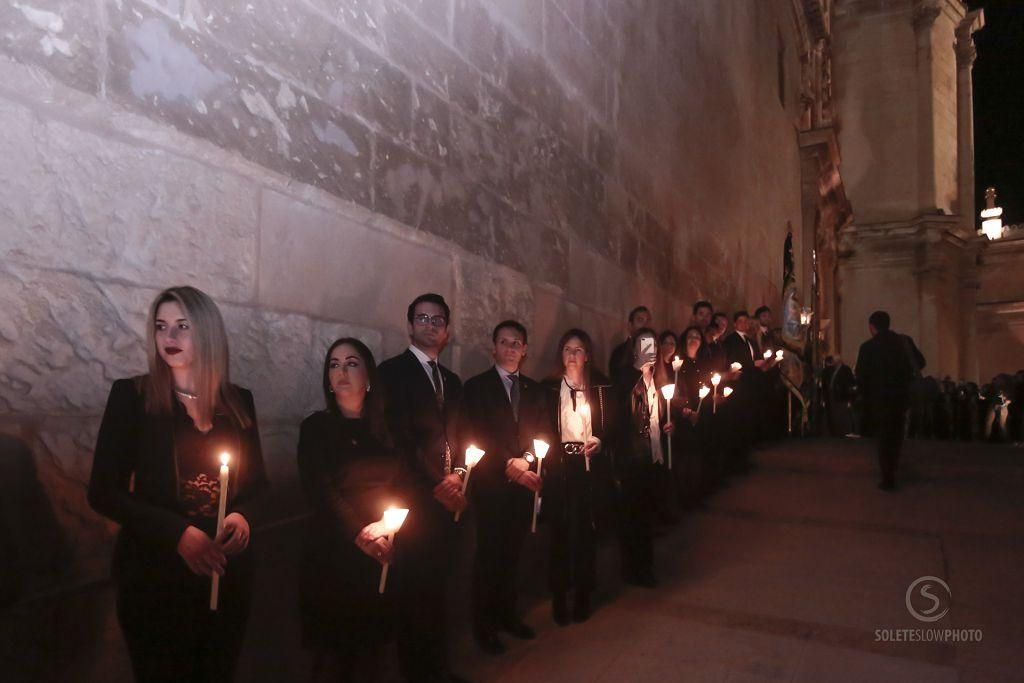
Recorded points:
(424, 360)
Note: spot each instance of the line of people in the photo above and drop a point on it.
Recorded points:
(621, 455)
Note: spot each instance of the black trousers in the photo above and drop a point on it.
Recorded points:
(424, 558)
(888, 417)
(569, 512)
(639, 488)
(504, 513)
(173, 636)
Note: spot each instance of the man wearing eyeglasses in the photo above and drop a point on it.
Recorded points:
(503, 412)
(423, 399)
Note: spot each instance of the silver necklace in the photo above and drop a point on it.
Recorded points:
(186, 395)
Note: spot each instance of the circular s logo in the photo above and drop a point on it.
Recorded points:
(925, 599)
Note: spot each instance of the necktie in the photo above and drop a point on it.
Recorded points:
(436, 377)
(513, 396)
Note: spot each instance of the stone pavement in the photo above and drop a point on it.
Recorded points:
(784, 576)
(788, 572)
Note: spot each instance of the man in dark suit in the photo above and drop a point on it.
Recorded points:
(885, 370)
(423, 399)
(622, 355)
(503, 412)
(743, 408)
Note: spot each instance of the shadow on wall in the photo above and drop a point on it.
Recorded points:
(47, 628)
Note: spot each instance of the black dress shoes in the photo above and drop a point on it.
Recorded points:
(490, 643)
(518, 629)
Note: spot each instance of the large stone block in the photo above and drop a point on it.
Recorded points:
(480, 39)
(486, 295)
(63, 343)
(61, 36)
(576, 60)
(325, 265)
(189, 80)
(157, 217)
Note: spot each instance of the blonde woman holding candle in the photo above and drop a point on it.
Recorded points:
(156, 473)
(350, 474)
(578, 472)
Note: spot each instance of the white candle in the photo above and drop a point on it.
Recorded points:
(540, 449)
(716, 379)
(473, 455)
(588, 430)
(703, 393)
(668, 391)
(393, 520)
(222, 506)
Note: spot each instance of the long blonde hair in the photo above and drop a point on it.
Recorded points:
(209, 363)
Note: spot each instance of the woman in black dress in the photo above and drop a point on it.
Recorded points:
(156, 473)
(350, 475)
(577, 472)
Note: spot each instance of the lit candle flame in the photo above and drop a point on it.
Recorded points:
(704, 391)
(727, 392)
(736, 366)
(778, 354)
(676, 364)
(767, 355)
(394, 518)
(225, 458)
(716, 379)
(473, 455)
(668, 391)
(540, 448)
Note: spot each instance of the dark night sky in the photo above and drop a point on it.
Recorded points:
(999, 106)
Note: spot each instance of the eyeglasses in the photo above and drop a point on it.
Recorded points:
(424, 319)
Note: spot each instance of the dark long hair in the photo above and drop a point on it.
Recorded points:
(588, 346)
(682, 342)
(373, 406)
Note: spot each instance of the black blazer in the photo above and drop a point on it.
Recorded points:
(737, 350)
(349, 476)
(487, 423)
(885, 368)
(420, 429)
(134, 443)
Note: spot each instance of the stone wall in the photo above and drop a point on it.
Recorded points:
(313, 165)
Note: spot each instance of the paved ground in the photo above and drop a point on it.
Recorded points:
(785, 576)
(789, 572)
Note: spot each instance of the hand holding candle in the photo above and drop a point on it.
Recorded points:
(222, 506)
(393, 520)
(473, 455)
(540, 449)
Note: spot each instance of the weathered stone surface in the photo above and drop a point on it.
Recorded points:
(63, 343)
(61, 36)
(485, 296)
(340, 277)
(159, 217)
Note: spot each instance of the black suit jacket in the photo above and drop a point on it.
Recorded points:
(737, 350)
(419, 428)
(885, 368)
(134, 443)
(487, 423)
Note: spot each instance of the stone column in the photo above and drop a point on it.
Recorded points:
(923, 19)
(965, 56)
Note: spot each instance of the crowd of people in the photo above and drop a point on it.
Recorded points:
(593, 453)
(936, 409)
